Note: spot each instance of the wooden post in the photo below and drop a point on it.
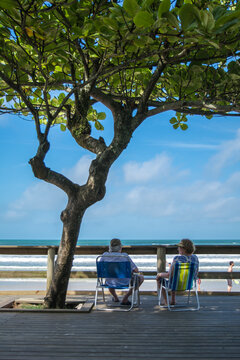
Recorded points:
(50, 266)
(161, 259)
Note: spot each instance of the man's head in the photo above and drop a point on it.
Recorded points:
(231, 263)
(115, 245)
(187, 245)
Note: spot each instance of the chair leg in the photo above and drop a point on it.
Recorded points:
(197, 299)
(103, 295)
(135, 291)
(186, 307)
(138, 297)
(136, 300)
(168, 303)
(96, 298)
(159, 292)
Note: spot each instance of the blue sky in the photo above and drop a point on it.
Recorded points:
(167, 184)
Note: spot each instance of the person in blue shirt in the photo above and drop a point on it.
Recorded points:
(115, 254)
(186, 249)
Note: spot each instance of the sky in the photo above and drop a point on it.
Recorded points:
(168, 184)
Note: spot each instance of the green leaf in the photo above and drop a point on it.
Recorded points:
(131, 7)
(111, 23)
(214, 44)
(61, 97)
(38, 92)
(163, 8)
(147, 3)
(63, 127)
(209, 117)
(1, 102)
(218, 12)
(172, 20)
(8, 4)
(204, 19)
(98, 125)
(143, 19)
(9, 98)
(175, 126)
(173, 120)
(228, 17)
(183, 126)
(55, 102)
(101, 116)
(187, 15)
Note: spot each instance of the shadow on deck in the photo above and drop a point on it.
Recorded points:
(213, 332)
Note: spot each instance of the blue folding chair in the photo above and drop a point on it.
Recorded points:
(182, 278)
(119, 268)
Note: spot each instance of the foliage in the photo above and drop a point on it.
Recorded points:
(179, 55)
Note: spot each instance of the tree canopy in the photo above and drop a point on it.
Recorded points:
(138, 58)
(148, 55)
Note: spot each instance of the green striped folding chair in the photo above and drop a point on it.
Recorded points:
(182, 278)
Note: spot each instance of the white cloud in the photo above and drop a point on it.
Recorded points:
(135, 172)
(228, 154)
(153, 201)
(233, 182)
(42, 196)
(184, 203)
(158, 189)
(194, 146)
(201, 191)
(79, 173)
(39, 197)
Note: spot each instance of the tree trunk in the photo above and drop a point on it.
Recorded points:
(79, 199)
(71, 218)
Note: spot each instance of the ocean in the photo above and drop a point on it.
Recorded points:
(87, 262)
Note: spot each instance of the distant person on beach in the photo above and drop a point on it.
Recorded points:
(229, 281)
(186, 249)
(114, 253)
(199, 284)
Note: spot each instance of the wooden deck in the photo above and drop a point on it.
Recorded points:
(213, 332)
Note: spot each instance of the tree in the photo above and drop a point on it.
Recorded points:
(138, 58)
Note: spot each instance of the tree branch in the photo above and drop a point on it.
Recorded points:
(44, 173)
(192, 107)
(154, 79)
(107, 100)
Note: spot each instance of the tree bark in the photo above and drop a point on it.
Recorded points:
(79, 199)
(71, 218)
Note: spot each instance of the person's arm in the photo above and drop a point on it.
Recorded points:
(133, 265)
(164, 275)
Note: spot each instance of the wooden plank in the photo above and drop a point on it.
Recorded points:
(86, 305)
(5, 303)
(145, 333)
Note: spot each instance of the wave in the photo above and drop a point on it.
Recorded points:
(82, 263)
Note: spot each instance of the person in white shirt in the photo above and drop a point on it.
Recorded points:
(115, 254)
(229, 281)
